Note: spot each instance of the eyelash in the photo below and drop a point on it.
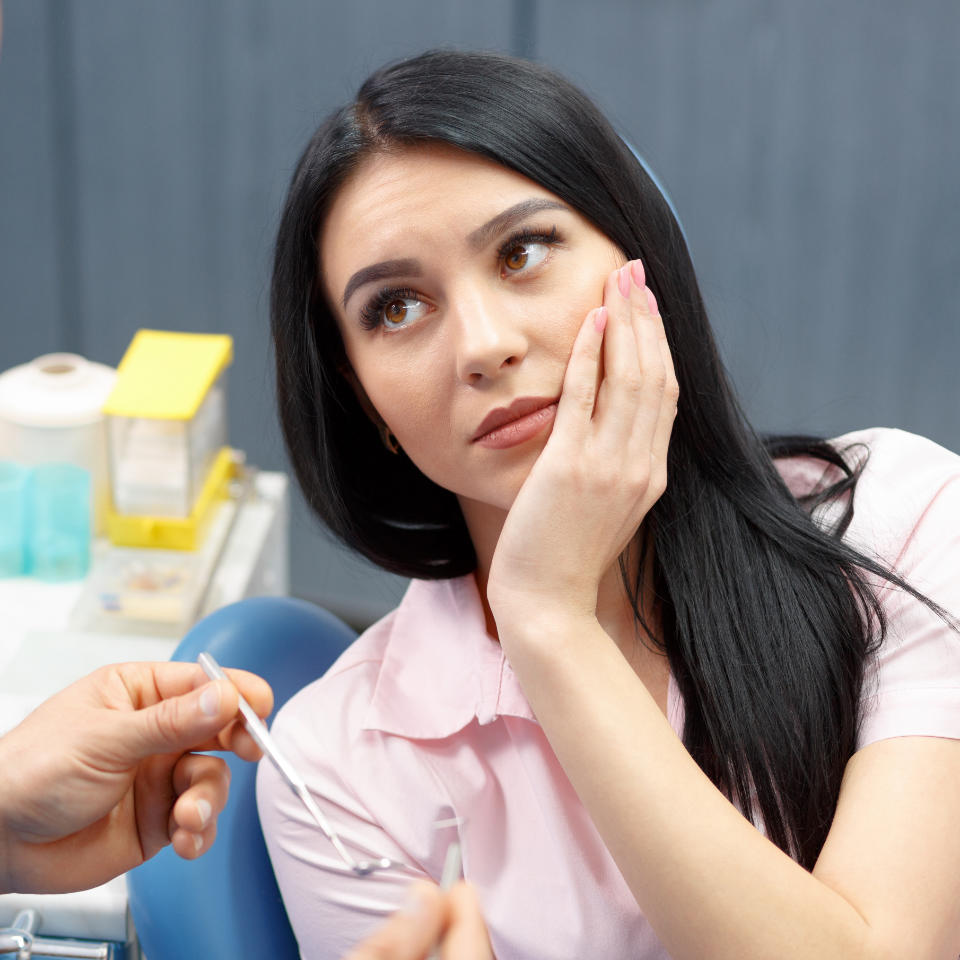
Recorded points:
(370, 314)
(370, 317)
(527, 235)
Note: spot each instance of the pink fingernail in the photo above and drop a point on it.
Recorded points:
(600, 319)
(639, 277)
(623, 280)
(652, 301)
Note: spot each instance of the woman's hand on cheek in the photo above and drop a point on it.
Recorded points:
(603, 467)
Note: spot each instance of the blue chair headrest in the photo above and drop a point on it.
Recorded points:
(656, 182)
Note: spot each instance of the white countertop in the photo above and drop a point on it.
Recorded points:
(41, 652)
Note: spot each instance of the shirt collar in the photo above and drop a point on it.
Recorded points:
(440, 668)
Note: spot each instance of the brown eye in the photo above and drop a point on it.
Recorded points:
(517, 258)
(395, 311)
(524, 254)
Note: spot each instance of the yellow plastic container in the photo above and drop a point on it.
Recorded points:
(167, 433)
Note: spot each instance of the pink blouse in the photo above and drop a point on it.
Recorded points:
(423, 720)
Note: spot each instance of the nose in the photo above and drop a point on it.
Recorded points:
(489, 336)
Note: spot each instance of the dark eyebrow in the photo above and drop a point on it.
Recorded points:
(380, 271)
(503, 221)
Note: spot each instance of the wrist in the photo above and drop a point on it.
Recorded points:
(548, 627)
(553, 604)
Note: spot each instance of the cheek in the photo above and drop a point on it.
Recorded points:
(406, 396)
(579, 292)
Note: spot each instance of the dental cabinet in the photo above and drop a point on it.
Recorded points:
(55, 633)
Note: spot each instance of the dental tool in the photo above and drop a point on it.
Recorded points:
(261, 736)
(452, 866)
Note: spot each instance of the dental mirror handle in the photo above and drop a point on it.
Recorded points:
(261, 736)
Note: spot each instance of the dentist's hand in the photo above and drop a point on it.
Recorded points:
(602, 468)
(100, 776)
(445, 925)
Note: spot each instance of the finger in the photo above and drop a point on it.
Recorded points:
(620, 391)
(154, 798)
(256, 691)
(148, 683)
(202, 785)
(467, 937)
(671, 393)
(653, 374)
(237, 739)
(186, 722)
(411, 932)
(656, 411)
(192, 721)
(581, 380)
(189, 845)
(148, 686)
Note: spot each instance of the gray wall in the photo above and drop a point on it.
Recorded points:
(812, 150)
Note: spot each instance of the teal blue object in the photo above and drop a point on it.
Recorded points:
(13, 518)
(226, 905)
(59, 522)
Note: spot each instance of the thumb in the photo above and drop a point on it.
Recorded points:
(184, 722)
(409, 933)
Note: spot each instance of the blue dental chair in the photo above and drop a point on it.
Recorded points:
(226, 905)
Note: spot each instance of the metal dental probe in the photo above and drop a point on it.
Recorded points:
(261, 735)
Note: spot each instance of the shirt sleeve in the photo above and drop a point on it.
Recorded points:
(912, 505)
(331, 908)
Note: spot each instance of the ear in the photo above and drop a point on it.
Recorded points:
(346, 371)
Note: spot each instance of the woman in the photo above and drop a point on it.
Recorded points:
(628, 622)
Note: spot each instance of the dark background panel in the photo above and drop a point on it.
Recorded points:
(146, 152)
(32, 283)
(811, 150)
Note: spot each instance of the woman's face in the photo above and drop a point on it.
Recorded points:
(458, 287)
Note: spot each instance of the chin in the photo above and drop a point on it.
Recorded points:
(500, 493)
(494, 483)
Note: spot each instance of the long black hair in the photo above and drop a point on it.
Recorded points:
(767, 618)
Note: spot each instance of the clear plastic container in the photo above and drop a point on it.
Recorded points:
(58, 536)
(167, 436)
(13, 519)
(154, 591)
(158, 467)
(129, 588)
(51, 412)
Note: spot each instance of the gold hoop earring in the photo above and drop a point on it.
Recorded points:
(389, 440)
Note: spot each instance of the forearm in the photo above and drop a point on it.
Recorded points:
(709, 883)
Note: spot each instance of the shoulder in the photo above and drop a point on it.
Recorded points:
(378, 791)
(326, 717)
(333, 730)
(407, 675)
(379, 798)
(896, 460)
(903, 477)
(907, 513)
(908, 497)
(890, 459)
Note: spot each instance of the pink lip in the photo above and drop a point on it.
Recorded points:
(508, 426)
